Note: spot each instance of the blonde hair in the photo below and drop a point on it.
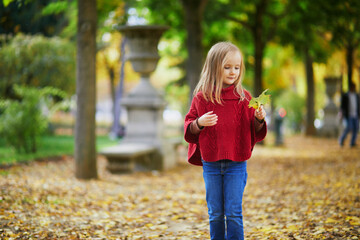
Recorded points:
(210, 83)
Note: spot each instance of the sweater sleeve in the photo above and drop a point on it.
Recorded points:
(194, 127)
(191, 132)
(258, 125)
(260, 132)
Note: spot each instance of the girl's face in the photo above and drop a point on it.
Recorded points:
(231, 68)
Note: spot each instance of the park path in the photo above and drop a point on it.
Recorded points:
(307, 189)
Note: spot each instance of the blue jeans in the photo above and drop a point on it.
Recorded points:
(352, 124)
(225, 182)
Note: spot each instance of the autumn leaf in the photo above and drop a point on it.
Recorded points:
(262, 99)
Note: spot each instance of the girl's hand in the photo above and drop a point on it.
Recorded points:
(260, 113)
(208, 119)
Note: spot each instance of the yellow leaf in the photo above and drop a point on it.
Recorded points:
(149, 225)
(292, 227)
(145, 199)
(330, 220)
(268, 229)
(354, 221)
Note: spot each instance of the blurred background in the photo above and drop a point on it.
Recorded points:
(298, 49)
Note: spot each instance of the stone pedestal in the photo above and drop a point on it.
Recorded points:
(330, 125)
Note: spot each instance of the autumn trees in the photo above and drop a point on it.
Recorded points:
(343, 23)
(313, 29)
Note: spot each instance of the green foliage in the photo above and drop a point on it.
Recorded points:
(165, 12)
(109, 12)
(55, 8)
(342, 20)
(304, 27)
(7, 2)
(37, 61)
(26, 16)
(21, 122)
(294, 105)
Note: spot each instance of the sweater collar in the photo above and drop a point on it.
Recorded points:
(229, 93)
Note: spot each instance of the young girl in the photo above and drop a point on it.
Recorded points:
(222, 130)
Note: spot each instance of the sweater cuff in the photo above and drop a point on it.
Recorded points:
(194, 128)
(258, 125)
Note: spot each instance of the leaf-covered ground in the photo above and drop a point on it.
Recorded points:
(308, 189)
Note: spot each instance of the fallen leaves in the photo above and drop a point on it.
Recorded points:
(307, 194)
(306, 190)
(45, 201)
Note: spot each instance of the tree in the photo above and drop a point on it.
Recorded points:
(260, 18)
(194, 10)
(343, 22)
(185, 18)
(26, 16)
(303, 29)
(85, 151)
(119, 16)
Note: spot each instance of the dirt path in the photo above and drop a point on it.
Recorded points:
(309, 189)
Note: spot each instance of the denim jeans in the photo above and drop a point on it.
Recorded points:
(225, 181)
(351, 124)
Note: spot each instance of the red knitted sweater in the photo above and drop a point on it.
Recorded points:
(234, 135)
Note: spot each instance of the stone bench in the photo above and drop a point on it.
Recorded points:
(128, 157)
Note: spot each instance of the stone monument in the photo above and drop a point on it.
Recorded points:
(144, 104)
(330, 124)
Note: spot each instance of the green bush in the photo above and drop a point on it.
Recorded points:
(37, 61)
(22, 121)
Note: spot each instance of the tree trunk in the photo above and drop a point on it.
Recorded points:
(111, 72)
(259, 40)
(259, 54)
(116, 128)
(85, 151)
(193, 17)
(310, 101)
(349, 62)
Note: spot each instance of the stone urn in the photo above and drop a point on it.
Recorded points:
(144, 104)
(330, 124)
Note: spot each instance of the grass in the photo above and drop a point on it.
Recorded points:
(48, 146)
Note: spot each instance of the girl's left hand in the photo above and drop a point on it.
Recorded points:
(260, 113)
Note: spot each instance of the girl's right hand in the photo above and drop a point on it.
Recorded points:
(208, 119)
